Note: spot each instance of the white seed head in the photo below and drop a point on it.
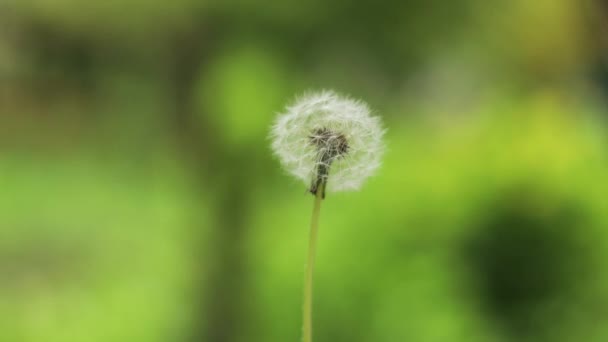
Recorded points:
(328, 138)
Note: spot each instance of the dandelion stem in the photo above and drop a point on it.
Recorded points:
(310, 265)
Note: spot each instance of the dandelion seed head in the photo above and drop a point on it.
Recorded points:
(330, 137)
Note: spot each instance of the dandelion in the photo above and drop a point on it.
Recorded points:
(324, 131)
(331, 143)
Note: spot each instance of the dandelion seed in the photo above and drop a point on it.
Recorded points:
(324, 133)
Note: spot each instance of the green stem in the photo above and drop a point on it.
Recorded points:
(310, 265)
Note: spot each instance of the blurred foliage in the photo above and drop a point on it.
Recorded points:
(141, 202)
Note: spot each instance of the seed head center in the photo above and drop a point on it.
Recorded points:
(331, 145)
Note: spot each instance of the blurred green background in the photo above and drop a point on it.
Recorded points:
(140, 200)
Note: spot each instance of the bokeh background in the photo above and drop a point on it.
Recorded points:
(140, 201)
